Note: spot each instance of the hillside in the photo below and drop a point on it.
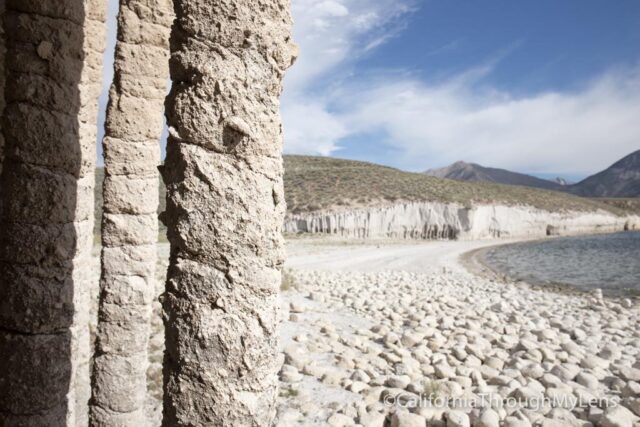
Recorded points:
(622, 179)
(315, 183)
(631, 205)
(476, 173)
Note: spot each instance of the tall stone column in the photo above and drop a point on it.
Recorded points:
(91, 83)
(130, 223)
(2, 78)
(225, 208)
(53, 74)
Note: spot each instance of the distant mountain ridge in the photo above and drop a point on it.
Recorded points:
(622, 179)
(473, 172)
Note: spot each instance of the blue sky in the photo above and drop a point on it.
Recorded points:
(545, 87)
(538, 45)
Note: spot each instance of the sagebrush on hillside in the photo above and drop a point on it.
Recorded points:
(314, 183)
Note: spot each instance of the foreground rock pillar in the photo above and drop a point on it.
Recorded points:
(2, 78)
(53, 74)
(225, 208)
(130, 224)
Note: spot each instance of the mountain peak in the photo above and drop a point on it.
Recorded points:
(562, 181)
(622, 179)
(464, 171)
(461, 163)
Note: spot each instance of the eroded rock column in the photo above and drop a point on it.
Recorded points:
(2, 78)
(130, 224)
(53, 69)
(225, 207)
(91, 83)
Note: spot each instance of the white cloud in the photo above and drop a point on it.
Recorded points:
(332, 35)
(316, 131)
(575, 132)
(331, 8)
(436, 123)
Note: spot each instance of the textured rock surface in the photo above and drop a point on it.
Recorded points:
(2, 78)
(481, 351)
(54, 70)
(225, 207)
(129, 225)
(426, 220)
(85, 288)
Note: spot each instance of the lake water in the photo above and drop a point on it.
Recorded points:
(610, 262)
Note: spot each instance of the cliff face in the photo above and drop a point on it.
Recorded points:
(427, 220)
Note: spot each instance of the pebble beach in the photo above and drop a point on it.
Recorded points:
(435, 344)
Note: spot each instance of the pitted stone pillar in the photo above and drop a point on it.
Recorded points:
(53, 79)
(2, 78)
(130, 223)
(225, 208)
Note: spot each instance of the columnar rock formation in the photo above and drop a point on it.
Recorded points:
(53, 72)
(436, 220)
(2, 77)
(129, 226)
(225, 207)
(91, 82)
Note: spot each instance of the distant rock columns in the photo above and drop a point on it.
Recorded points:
(225, 208)
(130, 224)
(53, 72)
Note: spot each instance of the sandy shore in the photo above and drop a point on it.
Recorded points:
(403, 334)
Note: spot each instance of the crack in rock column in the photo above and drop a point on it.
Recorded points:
(225, 209)
(53, 73)
(130, 225)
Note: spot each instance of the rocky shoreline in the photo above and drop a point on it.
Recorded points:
(452, 348)
(439, 346)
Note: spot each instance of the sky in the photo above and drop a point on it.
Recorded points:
(547, 87)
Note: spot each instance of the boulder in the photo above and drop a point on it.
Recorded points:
(617, 416)
(406, 419)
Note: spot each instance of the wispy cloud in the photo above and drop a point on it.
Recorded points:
(433, 123)
(447, 47)
(332, 35)
(575, 132)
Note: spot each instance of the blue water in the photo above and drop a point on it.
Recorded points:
(610, 262)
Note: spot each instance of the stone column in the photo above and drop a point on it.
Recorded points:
(2, 78)
(91, 84)
(225, 208)
(130, 223)
(53, 73)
